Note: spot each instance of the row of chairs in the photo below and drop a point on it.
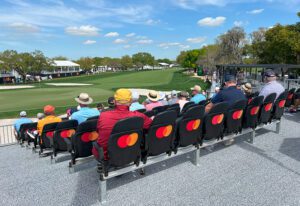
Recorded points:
(170, 129)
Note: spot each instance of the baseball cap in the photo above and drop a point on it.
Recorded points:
(123, 96)
(49, 109)
(270, 73)
(174, 93)
(23, 114)
(196, 88)
(229, 78)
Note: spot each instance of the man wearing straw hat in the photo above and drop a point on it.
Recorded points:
(153, 97)
(107, 120)
(85, 112)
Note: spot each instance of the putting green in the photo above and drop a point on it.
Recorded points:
(103, 86)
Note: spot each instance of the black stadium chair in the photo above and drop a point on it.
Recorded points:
(160, 109)
(266, 109)
(278, 108)
(203, 102)
(24, 128)
(141, 110)
(187, 106)
(92, 118)
(160, 135)
(46, 136)
(234, 117)
(124, 145)
(82, 140)
(214, 122)
(189, 127)
(290, 97)
(252, 112)
(174, 107)
(62, 136)
(150, 113)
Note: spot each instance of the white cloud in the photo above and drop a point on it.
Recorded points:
(167, 45)
(89, 42)
(210, 21)
(130, 35)
(141, 37)
(255, 11)
(120, 41)
(112, 34)
(85, 30)
(127, 46)
(152, 22)
(196, 40)
(145, 41)
(182, 46)
(238, 23)
(192, 4)
(24, 27)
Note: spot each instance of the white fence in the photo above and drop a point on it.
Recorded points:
(7, 136)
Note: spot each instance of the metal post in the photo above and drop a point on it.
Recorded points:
(102, 191)
(278, 125)
(251, 137)
(196, 158)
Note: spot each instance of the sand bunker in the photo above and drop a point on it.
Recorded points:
(144, 92)
(15, 87)
(67, 84)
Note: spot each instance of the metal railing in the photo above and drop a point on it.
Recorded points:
(292, 83)
(7, 136)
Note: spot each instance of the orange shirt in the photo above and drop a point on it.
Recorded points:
(46, 120)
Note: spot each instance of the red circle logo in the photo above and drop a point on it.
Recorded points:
(254, 110)
(281, 103)
(237, 114)
(164, 131)
(193, 125)
(217, 119)
(89, 136)
(127, 140)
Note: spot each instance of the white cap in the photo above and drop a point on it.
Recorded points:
(174, 93)
(162, 95)
(23, 114)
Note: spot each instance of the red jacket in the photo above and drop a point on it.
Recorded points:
(107, 121)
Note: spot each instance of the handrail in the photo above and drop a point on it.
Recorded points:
(7, 136)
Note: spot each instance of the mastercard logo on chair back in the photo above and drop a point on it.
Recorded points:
(281, 103)
(268, 107)
(254, 110)
(50, 134)
(237, 114)
(217, 119)
(290, 96)
(67, 133)
(127, 140)
(163, 132)
(89, 136)
(193, 125)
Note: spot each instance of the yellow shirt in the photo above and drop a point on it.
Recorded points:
(46, 120)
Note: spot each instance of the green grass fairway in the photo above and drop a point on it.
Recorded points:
(33, 100)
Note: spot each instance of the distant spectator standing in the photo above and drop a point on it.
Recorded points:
(153, 97)
(50, 117)
(85, 112)
(135, 105)
(174, 98)
(183, 96)
(197, 96)
(22, 120)
(163, 98)
(271, 86)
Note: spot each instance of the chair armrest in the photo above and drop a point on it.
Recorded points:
(100, 151)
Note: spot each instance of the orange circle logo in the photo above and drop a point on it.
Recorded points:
(67, 133)
(164, 131)
(254, 111)
(217, 119)
(237, 114)
(89, 136)
(193, 125)
(127, 140)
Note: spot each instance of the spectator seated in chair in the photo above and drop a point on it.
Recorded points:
(22, 120)
(183, 96)
(153, 98)
(271, 86)
(294, 107)
(174, 99)
(135, 102)
(50, 117)
(85, 112)
(111, 104)
(197, 95)
(247, 89)
(107, 120)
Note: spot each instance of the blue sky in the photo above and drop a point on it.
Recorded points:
(76, 28)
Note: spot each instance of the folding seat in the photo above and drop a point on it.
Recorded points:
(252, 112)
(187, 106)
(290, 97)
(234, 117)
(278, 108)
(214, 122)
(124, 145)
(189, 127)
(62, 136)
(150, 113)
(266, 109)
(92, 118)
(174, 107)
(46, 136)
(203, 102)
(27, 127)
(82, 140)
(160, 109)
(160, 135)
(141, 110)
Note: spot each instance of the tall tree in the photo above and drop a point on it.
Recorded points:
(126, 62)
(143, 58)
(86, 63)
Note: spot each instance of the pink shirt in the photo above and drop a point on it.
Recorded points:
(150, 106)
(181, 103)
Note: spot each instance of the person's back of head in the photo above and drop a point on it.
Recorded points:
(100, 106)
(123, 97)
(269, 75)
(40, 116)
(111, 102)
(23, 114)
(230, 80)
(183, 95)
(84, 100)
(49, 110)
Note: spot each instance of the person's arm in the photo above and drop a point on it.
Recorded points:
(208, 107)
(147, 121)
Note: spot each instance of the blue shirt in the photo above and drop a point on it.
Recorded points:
(21, 121)
(229, 95)
(198, 98)
(84, 113)
(136, 106)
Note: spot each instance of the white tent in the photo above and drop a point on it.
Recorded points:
(63, 66)
(63, 63)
